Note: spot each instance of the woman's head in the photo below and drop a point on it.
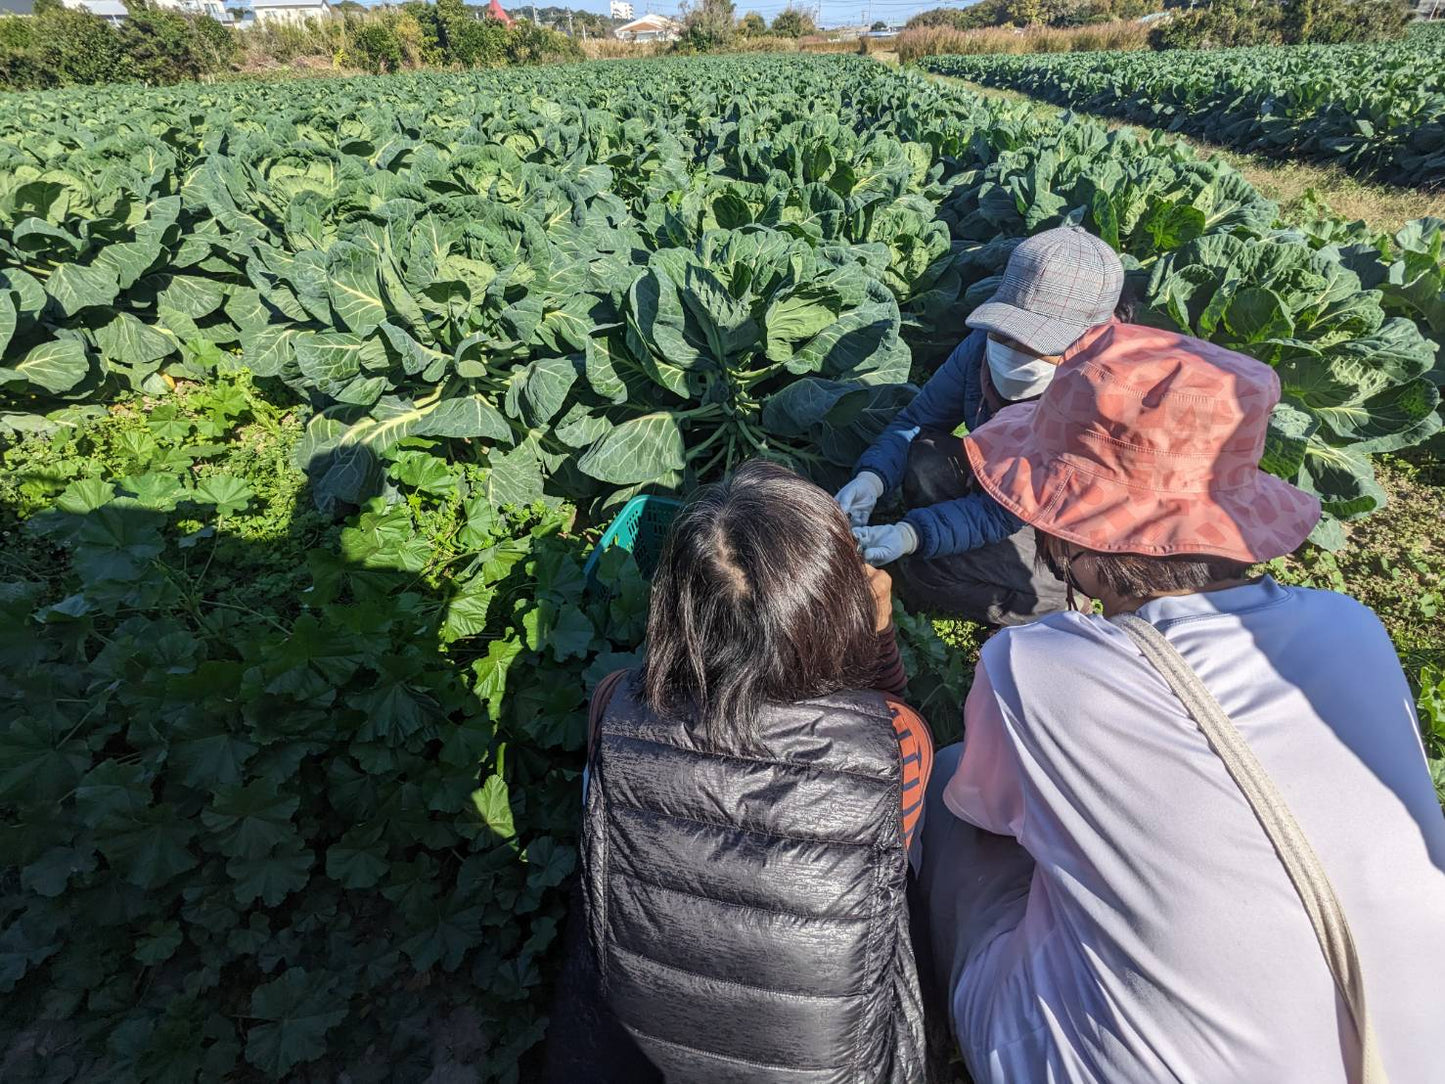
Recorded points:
(1121, 579)
(1145, 448)
(1058, 284)
(760, 596)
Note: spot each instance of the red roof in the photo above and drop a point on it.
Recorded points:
(494, 9)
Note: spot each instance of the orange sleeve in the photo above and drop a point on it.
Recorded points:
(915, 746)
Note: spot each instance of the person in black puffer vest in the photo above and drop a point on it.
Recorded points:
(750, 795)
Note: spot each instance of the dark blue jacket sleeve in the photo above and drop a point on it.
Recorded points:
(952, 395)
(962, 525)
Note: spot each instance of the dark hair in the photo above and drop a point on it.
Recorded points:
(1135, 575)
(759, 596)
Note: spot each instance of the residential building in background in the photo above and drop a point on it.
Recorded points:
(214, 8)
(289, 11)
(114, 12)
(650, 28)
(620, 9)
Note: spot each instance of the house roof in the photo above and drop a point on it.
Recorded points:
(105, 8)
(17, 7)
(258, 4)
(646, 22)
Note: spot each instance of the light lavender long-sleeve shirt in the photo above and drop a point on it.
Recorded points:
(1160, 938)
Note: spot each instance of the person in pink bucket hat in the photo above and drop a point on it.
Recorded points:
(1193, 837)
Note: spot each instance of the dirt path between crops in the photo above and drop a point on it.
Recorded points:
(1288, 183)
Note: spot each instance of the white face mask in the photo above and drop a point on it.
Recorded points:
(1017, 375)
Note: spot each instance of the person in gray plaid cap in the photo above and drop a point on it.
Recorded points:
(965, 554)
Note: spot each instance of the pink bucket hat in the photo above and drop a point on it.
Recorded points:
(1146, 442)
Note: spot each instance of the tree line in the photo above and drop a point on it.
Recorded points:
(1219, 24)
(60, 46)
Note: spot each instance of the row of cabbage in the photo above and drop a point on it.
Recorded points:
(597, 283)
(1375, 108)
(291, 798)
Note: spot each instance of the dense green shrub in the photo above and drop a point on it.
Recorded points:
(1334, 22)
(528, 43)
(61, 47)
(1064, 13)
(707, 26)
(215, 44)
(416, 29)
(476, 44)
(974, 17)
(428, 29)
(1227, 23)
(466, 40)
(374, 47)
(77, 47)
(794, 22)
(16, 32)
(22, 69)
(163, 46)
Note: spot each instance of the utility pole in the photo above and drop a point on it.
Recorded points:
(570, 34)
(534, 15)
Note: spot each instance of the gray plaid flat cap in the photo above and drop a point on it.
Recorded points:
(1057, 285)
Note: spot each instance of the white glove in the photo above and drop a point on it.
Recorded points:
(886, 542)
(859, 496)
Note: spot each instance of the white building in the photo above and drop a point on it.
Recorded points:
(289, 11)
(620, 9)
(649, 28)
(214, 8)
(112, 11)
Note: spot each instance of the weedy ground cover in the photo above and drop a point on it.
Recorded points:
(281, 785)
(313, 397)
(1377, 108)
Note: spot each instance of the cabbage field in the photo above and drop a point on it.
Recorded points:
(1377, 109)
(313, 398)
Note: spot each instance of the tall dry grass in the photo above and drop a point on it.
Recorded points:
(612, 49)
(939, 40)
(828, 45)
(763, 44)
(310, 45)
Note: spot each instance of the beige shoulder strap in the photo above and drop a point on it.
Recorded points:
(1294, 851)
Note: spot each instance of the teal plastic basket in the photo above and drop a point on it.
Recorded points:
(639, 529)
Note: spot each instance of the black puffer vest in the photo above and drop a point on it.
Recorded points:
(747, 914)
